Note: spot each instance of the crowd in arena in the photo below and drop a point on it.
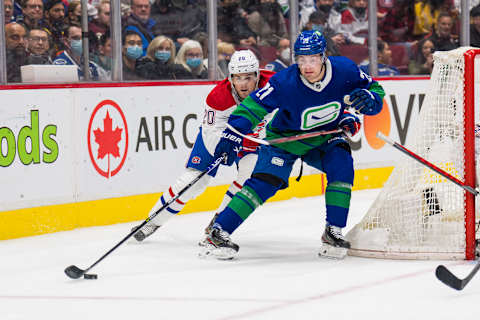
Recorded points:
(168, 40)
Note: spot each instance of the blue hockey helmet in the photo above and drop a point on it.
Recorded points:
(310, 42)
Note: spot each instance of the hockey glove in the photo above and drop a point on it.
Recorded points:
(366, 102)
(249, 145)
(229, 144)
(349, 123)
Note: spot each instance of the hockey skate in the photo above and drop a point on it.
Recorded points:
(208, 229)
(217, 244)
(146, 231)
(334, 244)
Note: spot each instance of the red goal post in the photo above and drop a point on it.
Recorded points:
(419, 214)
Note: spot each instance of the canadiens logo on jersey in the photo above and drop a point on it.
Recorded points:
(196, 160)
(320, 115)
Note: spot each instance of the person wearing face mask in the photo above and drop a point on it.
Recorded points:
(190, 56)
(354, 22)
(131, 52)
(158, 63)
(333, 17)
(283, 56)
(72, 55)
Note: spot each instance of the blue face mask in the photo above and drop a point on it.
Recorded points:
(163, 56)
(318, 27)
(134, 52)
(77, 47)
(194, 62)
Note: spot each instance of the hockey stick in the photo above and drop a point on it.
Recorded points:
(442, 273)
(428, 164)
(284, 139)
(74, 272)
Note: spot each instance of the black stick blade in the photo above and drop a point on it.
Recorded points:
(74, 272)
(444, 275)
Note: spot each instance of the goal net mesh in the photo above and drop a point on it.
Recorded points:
(418, 213)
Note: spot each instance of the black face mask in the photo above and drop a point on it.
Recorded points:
(360, 11)
(324, 8)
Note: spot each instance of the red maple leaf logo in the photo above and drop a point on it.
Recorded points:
(108, 140)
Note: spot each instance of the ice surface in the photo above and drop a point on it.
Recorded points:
(277, 274)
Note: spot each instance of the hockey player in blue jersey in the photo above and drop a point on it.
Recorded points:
(308, 96)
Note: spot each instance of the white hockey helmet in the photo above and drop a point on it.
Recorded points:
(243, 61)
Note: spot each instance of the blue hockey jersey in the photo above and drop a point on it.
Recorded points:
(302, 106)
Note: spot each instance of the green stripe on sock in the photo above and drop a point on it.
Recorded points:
(338, 194)
(245, 202)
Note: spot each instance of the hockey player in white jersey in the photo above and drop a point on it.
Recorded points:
(244, 78)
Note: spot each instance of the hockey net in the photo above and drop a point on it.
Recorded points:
(418, 213)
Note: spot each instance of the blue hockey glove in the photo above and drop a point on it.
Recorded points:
(229, 144)
(366, 102)
(350, 123)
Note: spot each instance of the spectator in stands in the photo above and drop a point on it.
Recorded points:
(202, 37)
(32, 11)
(426, 14)
(397, 26)
(101, 24)
(178, 20)
(238, 33)
(55, 24)
(131, 51)
(190, 56)
(140, 22)
(283, 59)
(333, 17)
(8, 5)
(159, 63)
(442, 36)
(74, 14)
(38, 47)
(72, 55)
(385, 68)
(354, 24)
(317, 21)
(475, 27)
(15, 50)
(423, 62)
(103, 57)
(225, 51)
(268, 23)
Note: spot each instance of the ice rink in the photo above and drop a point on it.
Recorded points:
(277, 274)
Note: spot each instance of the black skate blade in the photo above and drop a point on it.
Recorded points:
(448, 278)
(74, 272)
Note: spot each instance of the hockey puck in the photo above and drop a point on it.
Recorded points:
(90, 276)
